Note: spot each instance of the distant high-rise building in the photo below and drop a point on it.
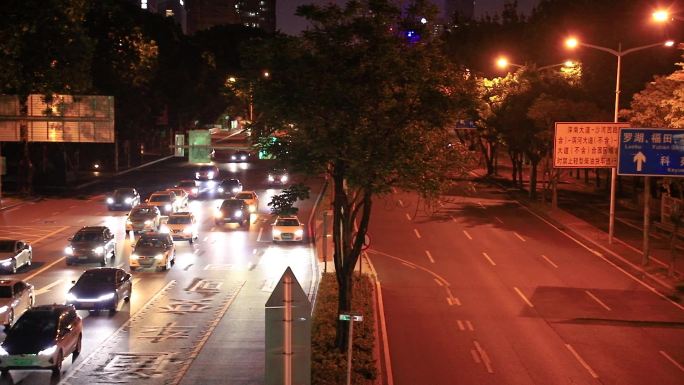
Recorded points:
(464, 8)
(204, 14)
(175, 9)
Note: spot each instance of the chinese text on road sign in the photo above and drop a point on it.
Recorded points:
(651, 151)
(586, 144)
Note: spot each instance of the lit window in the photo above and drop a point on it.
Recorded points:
(169, 13)
(181, 2)
(246, 24)
(143, 4)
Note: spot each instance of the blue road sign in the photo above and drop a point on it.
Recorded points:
(651, 152)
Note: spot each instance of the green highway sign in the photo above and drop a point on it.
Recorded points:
(200, 146)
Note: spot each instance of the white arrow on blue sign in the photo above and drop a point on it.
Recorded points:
(651, 152)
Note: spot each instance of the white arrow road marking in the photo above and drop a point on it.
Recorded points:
(47, 288)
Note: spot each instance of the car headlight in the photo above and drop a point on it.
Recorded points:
(69, 250)
(235, 189)
(98, 250)
(167, 207)
(218, 214)
(232, 157)
(194, 190)
(238, 214)
(197, 175)
(48, 351)
(210, 175)
(252, 208)
(3, 308)
(271, 178)
(276, 233)
(110, 201)
(187, 230)
(128, 200)
(129, 221)
(6, 262)
(220, 189)
(283, 178)
(299, 232)
(243, 157)
(135, 256)
(164, 229)
(158, 257)
(3, 352)
(148, 222)
(105, 297)
(71, 297)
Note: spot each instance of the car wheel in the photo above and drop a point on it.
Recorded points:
(133, 268)
(112, 311)
(4, 372)
(77, 349)
(57, 369)
(10, 317)
(69, 263)
(114, 253)
(32, 301)
(29, 261)
(13, 269)
(191, 240)
(103, 263)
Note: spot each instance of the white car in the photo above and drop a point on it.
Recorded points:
(250, 198)
(182, 226)
(287, 229)
(15, 298)
(165, 201)
(14, 254)
(182, 196)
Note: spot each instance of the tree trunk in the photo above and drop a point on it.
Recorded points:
(554, 189)
(514, 164)
(673, 252)
(343, 307)
(586, 175)
(598, 177)
(521, 168)
(533, 178)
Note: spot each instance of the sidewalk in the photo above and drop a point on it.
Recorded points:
(584, 220)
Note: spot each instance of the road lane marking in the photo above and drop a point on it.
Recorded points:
(205, 238)
(394, 190)
(519, 236)
(50, 234)
(581, 361)
(417, 233)
(606, 260)
(467, 235)
(453, 218)
(470, 326)
(95, 352)
(409, 265)
(460, 325)
(408, 216)
(42, 269)
(484, 356)
(14, 209)
(489, 259)
(438, 282)
(188, 267)
(499, 220)
(429, 256)
(47, 287)
(549, 261)
(675, 363)
(383, 324)
(597, 300)
(401, 204)
(481, 205)
(261, 230)
(520, 293)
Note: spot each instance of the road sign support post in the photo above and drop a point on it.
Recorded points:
(325, 241)
(351, 319)
(647, 219)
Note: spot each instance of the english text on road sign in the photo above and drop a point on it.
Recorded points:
(586, 144)
(651, 152)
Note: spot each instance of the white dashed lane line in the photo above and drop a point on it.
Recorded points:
(467, 235)
(597, 300)
(417, 233)
(520, 293)
(491, 261)
(547, 259)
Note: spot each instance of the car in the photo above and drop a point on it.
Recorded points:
(16, 297)
(287, 228)
(182, 226)
(100, 289)
(41, 338)
(229, 187)
(182, 197)
(123, 198)
(250, 198)
(190, 186)
(165, 201)
(278, 176)
(153, 250)
(143, 218)
(239, 156)
(232, 211)
(14, 254)
(207, 172)
(91, 243)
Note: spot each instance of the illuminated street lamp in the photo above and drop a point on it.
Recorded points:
(232, 80)
(572, 43)
(503, 63)
(660, 16)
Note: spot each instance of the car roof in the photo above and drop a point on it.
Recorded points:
(8, 282)
(154, 234)
(231, 180)
(92, 228)
(287, 217)
(144, 206)
(102, 270)
(181, 214)
(125, 189)
(247, 191)
(233, 201)
(55, 308)
(165, 192)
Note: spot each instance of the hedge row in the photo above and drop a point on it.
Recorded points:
(328, 364)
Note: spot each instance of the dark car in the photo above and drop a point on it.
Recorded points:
(143, 218)
(232, 211)
(207, 172)
(123, 198)
(101, 289)
(229, 187)
(239, 156)
(41, 338)
(91, 243)
(14, 254)
(278, 176)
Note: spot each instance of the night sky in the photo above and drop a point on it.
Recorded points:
(288, 23)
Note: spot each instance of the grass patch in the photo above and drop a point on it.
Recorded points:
(329, 365)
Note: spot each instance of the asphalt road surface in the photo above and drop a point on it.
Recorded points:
(478, 290)
(201, 322)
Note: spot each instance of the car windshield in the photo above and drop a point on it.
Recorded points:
(87, 236)
(243, 196)
(142, 211)
(96, 277)
(160, 198)
(5, 292)
(150, 242)
(231, 204)
(206, 168)
(179, 220)
(177, 192)
(36, 322)
(287, 222)
(186, 184)
(6, 246)
(124, 192)
(230, 182)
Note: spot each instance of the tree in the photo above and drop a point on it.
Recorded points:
(365, 96)
(283, 203)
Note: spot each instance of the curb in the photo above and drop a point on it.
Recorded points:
(21, 203)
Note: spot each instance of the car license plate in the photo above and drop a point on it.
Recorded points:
(82, 257)
(287, 236)
(22, 361)
(86, 305)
